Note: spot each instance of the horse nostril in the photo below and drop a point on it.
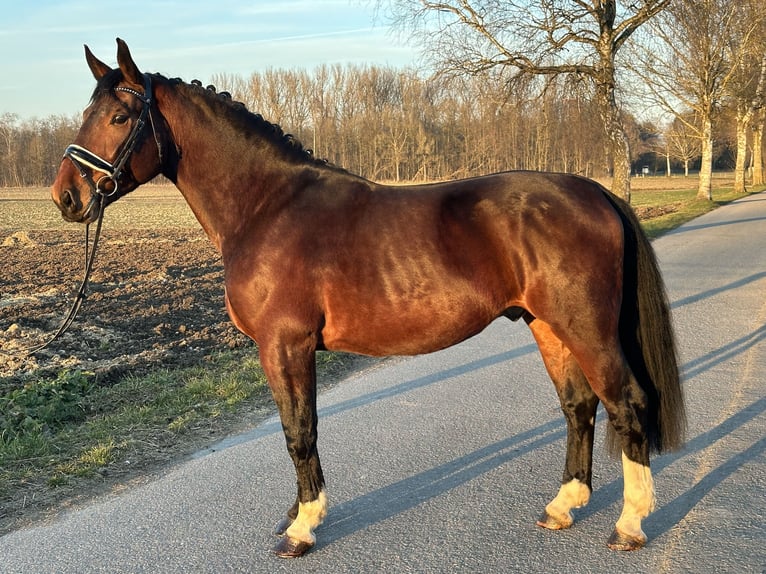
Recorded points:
(67, 200)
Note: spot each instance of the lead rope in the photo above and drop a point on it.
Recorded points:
(90, 255)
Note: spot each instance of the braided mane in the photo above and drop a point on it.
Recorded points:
(236, 111)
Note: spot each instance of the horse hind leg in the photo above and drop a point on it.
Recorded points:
(578, 403)
(598, 373)
(628, 417)
(627, 408)
(639, 502)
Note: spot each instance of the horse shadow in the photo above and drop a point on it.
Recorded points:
(366, 510)
(376, 506)
(406, 494)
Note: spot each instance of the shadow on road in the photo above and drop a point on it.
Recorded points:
(711, 292)
(269, 428)
(426, 380)
(674, 511)
(376, 506)
(687, 228)
(671, 513)
(723, 353)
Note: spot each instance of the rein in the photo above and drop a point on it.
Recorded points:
(90, 255)
(83, 158)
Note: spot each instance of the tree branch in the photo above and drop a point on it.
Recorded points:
(625, 29)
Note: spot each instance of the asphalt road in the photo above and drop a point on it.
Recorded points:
(442, 463)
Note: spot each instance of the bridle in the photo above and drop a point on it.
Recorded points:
(83, 159)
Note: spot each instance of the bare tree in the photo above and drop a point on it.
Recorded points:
(749, 85)
(9, 136)
(682, 143)
(747, 107)
(390, 124)
(749, 80)
(689, 63)
(542, 37)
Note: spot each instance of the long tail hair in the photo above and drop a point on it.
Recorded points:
(647, 338)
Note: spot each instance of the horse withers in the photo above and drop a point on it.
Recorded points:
(318, 258)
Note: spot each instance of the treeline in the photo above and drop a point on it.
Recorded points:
(391, 125)
(31, 150)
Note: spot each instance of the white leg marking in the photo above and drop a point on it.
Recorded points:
(639, 498)
(310, 515)
(573, 494)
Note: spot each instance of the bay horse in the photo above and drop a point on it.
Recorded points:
(317, 258)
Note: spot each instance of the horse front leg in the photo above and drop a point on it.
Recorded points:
(291, 373)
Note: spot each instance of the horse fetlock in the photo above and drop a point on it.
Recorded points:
(574, 494)
(639, 503)
(310, 515)
(638, 491)
(558, 515)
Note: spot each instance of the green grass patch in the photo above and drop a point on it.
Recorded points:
(679, 206)
(65, 430)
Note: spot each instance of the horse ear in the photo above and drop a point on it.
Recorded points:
(129, 69)
(97, 67)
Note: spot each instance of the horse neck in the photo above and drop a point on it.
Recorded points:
(225, 174)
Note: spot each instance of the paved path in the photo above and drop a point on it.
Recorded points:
(442, 463)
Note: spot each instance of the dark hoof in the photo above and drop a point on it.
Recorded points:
(290, 548)
(623, 542)
(282, 526)
(551, 523)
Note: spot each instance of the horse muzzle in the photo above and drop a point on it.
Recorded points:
(74, 207)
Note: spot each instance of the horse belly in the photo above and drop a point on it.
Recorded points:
(411, 328)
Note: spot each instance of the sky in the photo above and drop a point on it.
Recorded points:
(42, 63)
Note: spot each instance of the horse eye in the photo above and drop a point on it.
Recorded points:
(119, 119)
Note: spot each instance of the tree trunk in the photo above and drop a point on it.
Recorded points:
(760, 119)
(756, 160)
(705, 190)
(621, 176)
(743, 123)
(610, 113)
(616, 137)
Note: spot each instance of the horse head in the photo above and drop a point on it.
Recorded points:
(119, 145)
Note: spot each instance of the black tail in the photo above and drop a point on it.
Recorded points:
(647, 338)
